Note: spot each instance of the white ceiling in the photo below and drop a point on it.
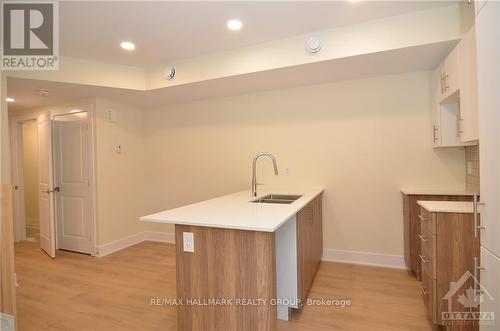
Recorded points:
(424, 57)
(166, 31)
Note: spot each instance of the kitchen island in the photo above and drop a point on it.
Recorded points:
(241, 264)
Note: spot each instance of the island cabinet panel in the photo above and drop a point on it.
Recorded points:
(411, 226)
(450, 254)
(226, 264)
(309, 244)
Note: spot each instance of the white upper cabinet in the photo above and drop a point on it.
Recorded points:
(455, 109)
(469, 118)
(451, 74)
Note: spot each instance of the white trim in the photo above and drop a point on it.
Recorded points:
(32, 223)
(159, 236)
(119, 244)
(132, 240)
(16, 122)
(364, 258)
(329, 255)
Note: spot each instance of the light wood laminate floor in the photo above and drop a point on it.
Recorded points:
(79, 292)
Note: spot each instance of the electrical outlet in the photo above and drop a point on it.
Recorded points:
(119, 149)
(188, 241)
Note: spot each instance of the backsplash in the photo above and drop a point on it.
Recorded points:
(472, 179)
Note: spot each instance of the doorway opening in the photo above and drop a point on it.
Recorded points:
(29, 148)
(53, 179)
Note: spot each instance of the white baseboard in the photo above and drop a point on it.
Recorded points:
(159, 236)
(32, 223)
(119, 244)
(364, 258)
(132, 240)
(329, 255)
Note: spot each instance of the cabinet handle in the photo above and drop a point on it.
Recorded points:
(422, 238)
(422, 258)
(475, 204)
(477, 267)
(442, 83)
(422, 219)
(435, 133)
(424, 290)
(446, 86)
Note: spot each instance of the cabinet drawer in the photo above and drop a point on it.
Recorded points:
(428, 293)
(427, 223)
(427, 255)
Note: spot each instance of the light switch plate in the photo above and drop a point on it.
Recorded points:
(112, 115)
(188, 241)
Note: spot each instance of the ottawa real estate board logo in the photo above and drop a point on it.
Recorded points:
(30, 35)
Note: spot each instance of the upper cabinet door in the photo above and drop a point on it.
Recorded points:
(451, 73)
(469, 121)
(437, 91)
(488, 68)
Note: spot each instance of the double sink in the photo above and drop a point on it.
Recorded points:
(277, 198)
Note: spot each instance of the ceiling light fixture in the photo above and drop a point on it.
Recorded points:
(9, 99)
(127, 45)
(234, 24)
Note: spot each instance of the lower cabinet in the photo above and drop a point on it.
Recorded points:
(309, 244)
(449, 258)
(490, 290)
(411, 226)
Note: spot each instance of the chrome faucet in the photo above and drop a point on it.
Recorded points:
(254, 170)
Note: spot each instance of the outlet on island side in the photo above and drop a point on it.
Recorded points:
(188, 241)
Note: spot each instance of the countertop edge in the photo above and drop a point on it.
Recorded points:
(447, 207)
(435, 192)
(303, 203)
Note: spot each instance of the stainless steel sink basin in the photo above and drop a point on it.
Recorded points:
(277, 198)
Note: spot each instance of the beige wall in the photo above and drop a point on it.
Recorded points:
(120, 177)
(30, 172)
(361, 140)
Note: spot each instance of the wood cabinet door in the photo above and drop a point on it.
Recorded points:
(304, 249)
(309, 244)
(317, 235)
(407, 230)
(456, 250)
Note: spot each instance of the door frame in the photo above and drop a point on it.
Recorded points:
(15, 123)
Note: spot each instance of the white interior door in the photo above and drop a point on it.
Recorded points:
(71, 164)
(45, 171)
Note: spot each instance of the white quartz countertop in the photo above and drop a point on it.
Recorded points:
(235, 211)
(410, 191)
(447, 206)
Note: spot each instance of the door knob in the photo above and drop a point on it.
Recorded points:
(55, 189)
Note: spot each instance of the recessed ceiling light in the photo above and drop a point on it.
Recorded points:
(9, 99)
(127, 45)
(234, 24)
